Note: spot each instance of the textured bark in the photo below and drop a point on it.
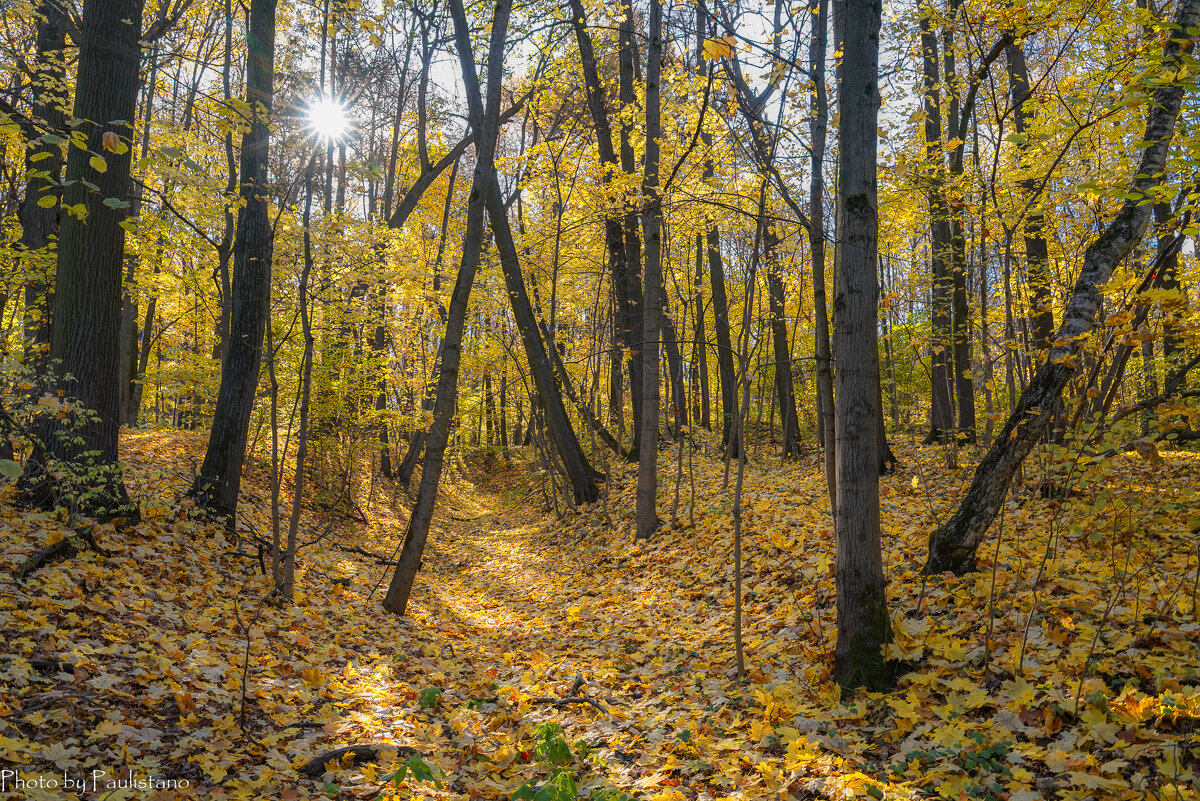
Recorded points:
(960, 319)
(484, 121)
(720, 305)
(826, 425)
(631, 239)
(952, 546)
(652, 218)
(43, 168)
(699, 347)
(1037, 257)
(779, 337)
(862, 616)
(941, 409)
(1174, 344)
(85, 339)
(219, 481)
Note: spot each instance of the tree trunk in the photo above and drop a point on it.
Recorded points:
(941, 414)
(43, 165)
(647, 483)
(960, 324)
(779, 335)
(816, 242)
(219, 481)
(862, 615)
(952, 546)
(1036, 252)
(485, 122)
(579, 472)
(631, 240)
(85, 340)
(699, 345)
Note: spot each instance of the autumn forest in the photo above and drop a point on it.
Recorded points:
(679, 401)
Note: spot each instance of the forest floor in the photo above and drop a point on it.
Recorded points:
(560, 656)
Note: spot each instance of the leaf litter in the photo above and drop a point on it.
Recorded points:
(544, 658)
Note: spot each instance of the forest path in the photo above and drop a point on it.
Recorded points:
(527, 592)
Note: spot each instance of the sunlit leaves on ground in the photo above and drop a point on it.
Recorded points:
(1065, 668)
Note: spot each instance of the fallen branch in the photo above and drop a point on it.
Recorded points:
(379, 560)
(65, 548)
(575, 697)
(359, 754)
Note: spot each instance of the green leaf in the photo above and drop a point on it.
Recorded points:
(53, 139)
(115, 203)
(171, 152)
(10, 469)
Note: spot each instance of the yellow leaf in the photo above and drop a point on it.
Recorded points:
(98, 163)
(716, 49)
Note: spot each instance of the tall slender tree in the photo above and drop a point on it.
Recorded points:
(217, 485)
(652, 218)
(862, 615)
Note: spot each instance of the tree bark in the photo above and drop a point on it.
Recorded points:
(43, 166)
(941, 409)
(652, 217)
(699, 346)
(219, 481)
(779, 335)
(631, 240)
(862, 616)
(579, 472)
(822, 351)
(952, 546)
(85, 340)
(1037, 257)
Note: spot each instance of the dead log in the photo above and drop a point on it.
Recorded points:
(360, 754)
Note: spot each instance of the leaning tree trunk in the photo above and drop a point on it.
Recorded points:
(652, 218)
(953, 545)
(579, 472)
(85, 340)
(485, 122)
(862, 615)
(217, 485)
